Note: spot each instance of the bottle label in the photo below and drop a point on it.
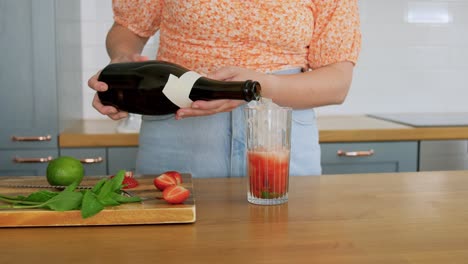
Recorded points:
(178, 89)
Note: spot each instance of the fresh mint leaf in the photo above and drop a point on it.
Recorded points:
(72, 186)
(13, 201)
(18, 200)
(90, 205)
(40, 196)
(108, 201)
(116, 181)
(64, 201)
(97, 187)
(111, 186)
(125, 199)
(105, 190)
(19, 197)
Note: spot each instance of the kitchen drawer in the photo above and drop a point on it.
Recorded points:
(28, 138)
(386, 157)
(25, 162)
(121, 158)
(93, 159)
(438, 155)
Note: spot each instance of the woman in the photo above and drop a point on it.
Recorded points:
(302, 52)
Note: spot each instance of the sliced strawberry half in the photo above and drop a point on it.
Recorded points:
(175, 194)
(174, 174)
(163, 181)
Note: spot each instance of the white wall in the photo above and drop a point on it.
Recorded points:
(414, 56)
(96, 16)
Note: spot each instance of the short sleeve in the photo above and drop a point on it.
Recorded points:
(337, 33)
(140, 16)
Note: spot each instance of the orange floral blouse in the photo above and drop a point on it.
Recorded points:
(264, 35)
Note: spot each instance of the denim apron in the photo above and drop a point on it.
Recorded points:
(214, 146)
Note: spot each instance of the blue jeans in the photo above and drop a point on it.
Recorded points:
(214, 146)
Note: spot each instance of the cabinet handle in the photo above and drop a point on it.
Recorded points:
(91, 160)
(362, 153)
(39, 138)
(32, 160)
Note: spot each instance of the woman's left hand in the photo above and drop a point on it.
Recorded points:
(203, 108)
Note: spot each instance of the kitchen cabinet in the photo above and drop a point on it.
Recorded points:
(40, 81)
(443, 155)
(32, 162)
(105, 160)
(443, 144)
(121, 158)
(369, 157)
(27, 75)
(94, 160)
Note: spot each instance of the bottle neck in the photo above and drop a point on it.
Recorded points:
(208, 89)
(252, 90)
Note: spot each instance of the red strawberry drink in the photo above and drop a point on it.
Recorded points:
(268, 148)
(268, 173)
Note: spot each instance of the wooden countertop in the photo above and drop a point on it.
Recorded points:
(365, 128)
(408, 218)
(102, 133)
(96, 133)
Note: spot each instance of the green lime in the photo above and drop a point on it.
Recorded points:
(64, 170)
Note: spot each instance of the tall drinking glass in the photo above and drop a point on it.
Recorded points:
(268, 152)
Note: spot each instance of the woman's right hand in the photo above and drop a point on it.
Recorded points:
(98, 86)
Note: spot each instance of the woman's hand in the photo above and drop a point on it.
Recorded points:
(203, 108)
(98, 86)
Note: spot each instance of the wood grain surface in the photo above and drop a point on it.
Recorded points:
(401, 218)
(96, 133)
(102, 133)
(368, 129)
(152, 210)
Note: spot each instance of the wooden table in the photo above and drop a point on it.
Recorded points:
(363, 218)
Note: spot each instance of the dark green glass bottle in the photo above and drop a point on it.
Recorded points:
(144, 87)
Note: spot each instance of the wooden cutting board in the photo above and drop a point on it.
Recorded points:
(152, 210)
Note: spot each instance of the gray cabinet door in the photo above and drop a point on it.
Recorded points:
(438, 155)
(28, 108)
(385, 157)
(25, 162)
(94, 160)
(121, 158)
(104, 161)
